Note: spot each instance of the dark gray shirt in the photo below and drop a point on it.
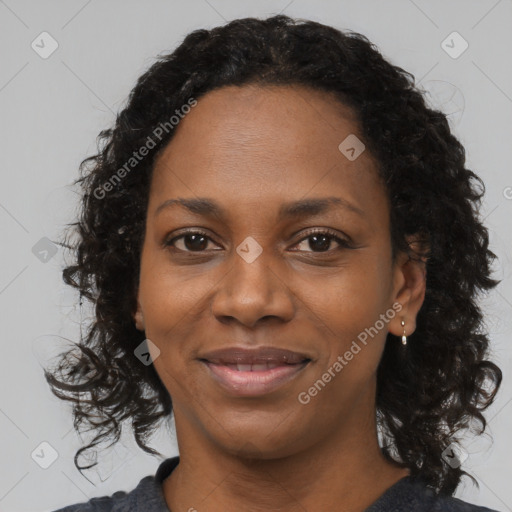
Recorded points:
(406, 495)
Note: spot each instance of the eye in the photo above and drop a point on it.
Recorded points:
(321, 239)
(193, 241)
(197, 241)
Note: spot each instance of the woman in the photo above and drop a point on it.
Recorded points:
(282, 244)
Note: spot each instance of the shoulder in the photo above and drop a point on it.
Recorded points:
(120, 501)
(451, 504)
(147, 496)
(408, 494)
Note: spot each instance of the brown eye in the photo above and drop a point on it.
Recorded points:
(320, 241)
(192, 241)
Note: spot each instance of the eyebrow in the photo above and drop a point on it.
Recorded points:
(296, 209)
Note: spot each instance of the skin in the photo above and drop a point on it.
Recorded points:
(251, 149)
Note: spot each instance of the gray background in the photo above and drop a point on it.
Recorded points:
(51, 111)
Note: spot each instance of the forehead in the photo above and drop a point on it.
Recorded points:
(252, 144)
(273, 121)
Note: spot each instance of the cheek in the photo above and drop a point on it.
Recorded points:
(352, 296)
(168, 293)
(349, 307)
(168, 305)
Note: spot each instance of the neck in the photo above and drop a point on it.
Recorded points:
(346, 469)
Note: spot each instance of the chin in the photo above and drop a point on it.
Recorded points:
(261, 441)
(252, 450)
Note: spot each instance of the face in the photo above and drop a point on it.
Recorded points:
(254, 271)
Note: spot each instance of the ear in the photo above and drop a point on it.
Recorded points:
(139, 317)
(409, 285)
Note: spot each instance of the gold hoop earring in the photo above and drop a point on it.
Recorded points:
(404, 337)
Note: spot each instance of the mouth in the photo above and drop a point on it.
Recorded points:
(256, 372)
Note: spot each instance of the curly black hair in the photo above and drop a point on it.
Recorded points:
(426, 396)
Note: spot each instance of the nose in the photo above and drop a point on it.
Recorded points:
(253, 292)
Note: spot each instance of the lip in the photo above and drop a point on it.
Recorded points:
(259, 355)
(253, 383)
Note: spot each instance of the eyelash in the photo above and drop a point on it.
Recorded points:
(331, 235)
